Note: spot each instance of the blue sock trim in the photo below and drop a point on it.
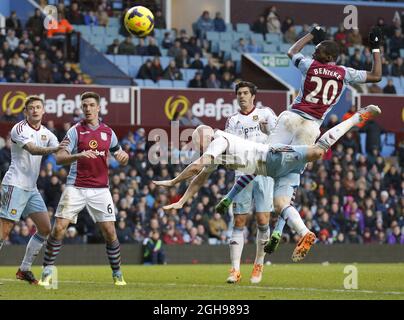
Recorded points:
(263, 227)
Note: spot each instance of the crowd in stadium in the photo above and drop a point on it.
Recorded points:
(349, 197)
(27, 57)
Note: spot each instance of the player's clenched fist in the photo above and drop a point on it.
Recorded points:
(122, 157)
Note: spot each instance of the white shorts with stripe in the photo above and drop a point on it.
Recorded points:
(98, 202)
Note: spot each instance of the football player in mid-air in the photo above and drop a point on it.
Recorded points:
(253, 158)
(20, 198)
(322, 85)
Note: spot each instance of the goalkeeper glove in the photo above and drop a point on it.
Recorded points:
(318, 34)
(375, 38)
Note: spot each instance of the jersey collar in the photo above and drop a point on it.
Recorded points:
(247, 113)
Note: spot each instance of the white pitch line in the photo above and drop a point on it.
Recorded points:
(230, 287)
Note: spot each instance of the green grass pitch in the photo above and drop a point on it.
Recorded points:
(206, 282)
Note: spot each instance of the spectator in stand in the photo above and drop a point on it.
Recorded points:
(197, 62)
(397, 69)
(253, 47)
(193, 47)
(189, 120)
(354, 38)
(102, 16)
(172, 236)
(396, 237)
(44, 73)
(20, 235)
(396, 43)
(127, 47)
(226, 82)
(12, 22)
(145, 71)
(385, 67)
(8, 116)
(273, 23)
(141, 48)
(63, 28)
(153, 252)
(12, 40)
(175, 50)
(286, 24)
(241, 46)
(90, 19)
(260, 26)
(114, 47)
(374, 88)
(290, 35)
(183, 60)
(167, 41)
(156, 69)
(356, 61)
(218, 23)
(172, 72)
(153, 49)
(229, 67)
(72, 236)
(35, 24)
(159, 20)
(212, 82)
(124, 232)
(74, 15)
(196, 81)
(204, 24)
(305, 30)
(217, 228)
(2, 78)
(389, 88)
(210, 68)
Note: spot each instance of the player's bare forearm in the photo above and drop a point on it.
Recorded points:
(375, 75)
(193, 188)
(64, 158)
(299, 45)
(43, 151)
(190, 171)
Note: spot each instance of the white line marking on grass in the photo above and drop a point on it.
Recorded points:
(229, 287)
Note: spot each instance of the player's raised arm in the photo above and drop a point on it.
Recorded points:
(193, 188)
(191, 170)
(375, 37)
(317, 35)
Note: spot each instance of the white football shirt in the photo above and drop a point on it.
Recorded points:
(249, 157)
(247, 126)
(24, 168)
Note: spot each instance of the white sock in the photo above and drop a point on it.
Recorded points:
(236, 247)
(294, 220)
(261, 241)
(330, 137)
(33, 247)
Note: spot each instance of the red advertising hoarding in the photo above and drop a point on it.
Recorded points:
(159, 106)
(392, 106)
(62, 100)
